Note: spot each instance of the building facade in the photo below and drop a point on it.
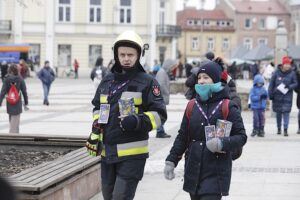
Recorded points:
(63, 30)
(203, 31)
(255, 22)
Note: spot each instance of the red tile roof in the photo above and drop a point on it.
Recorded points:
(261, 7)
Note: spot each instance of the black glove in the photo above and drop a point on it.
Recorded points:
(263, 96)
(129, 123)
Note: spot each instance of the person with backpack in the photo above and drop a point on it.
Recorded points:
(47, 76)
(208, 164)
(13, 86)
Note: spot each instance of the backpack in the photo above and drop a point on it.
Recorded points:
(13, 95)
(235, 154)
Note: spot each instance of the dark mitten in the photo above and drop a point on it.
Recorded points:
(129, 123)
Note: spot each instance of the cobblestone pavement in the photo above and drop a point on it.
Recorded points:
(268, 169)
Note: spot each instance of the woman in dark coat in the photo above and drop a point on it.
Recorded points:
(281, 101)
(207, 164)
(297, 90)
(14, 111)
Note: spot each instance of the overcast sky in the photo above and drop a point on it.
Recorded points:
(210, 4)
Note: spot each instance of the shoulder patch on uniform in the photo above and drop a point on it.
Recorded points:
(156, 90)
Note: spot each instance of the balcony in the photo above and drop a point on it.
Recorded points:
(168, 31)
(5, 27)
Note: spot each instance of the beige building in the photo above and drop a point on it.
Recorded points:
(203, 31)
(62, 30)
(255, 22)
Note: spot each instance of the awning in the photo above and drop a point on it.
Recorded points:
(261, 52)
(24, 48)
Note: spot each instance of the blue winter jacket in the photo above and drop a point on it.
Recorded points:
(282, 102)
(258, 95)
(46, 75)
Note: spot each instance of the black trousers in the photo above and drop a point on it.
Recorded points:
(120, 180)
(206, 197)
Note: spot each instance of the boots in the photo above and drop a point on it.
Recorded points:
(254, 132)
(285, 132)
(261, 133)
(279, 131)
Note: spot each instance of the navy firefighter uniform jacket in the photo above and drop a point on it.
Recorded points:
(119, 145)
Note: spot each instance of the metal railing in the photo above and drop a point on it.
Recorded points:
(168, 31)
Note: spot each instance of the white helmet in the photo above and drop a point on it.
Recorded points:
(130, 39)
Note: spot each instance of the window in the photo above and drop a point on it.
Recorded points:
(34, 53)
(225, 43)
(210, 44)
(162, 17)
(125, 11)
(64, 10)
(162, 4)
(262, 24)
(190, 22)
(195, 43)
(248, 43)
(95, 11)
(262, 41)
(248, 24)
(64, 55)
(94, 52)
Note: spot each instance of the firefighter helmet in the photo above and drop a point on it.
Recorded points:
(130, 39)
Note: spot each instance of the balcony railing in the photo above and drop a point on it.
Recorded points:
(168, 31)
(5, 27)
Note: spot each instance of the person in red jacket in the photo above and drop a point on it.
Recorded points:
(76, 66)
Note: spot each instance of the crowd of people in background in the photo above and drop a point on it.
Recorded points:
(172, 70)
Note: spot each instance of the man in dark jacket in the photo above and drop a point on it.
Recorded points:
(125, 136)
(47, 76)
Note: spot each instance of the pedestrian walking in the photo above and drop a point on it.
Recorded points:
(98, 72)
(47, 76)
(246, 70)
(258, 101)
(14, 84)
(161, 75)
(4, 67)
(23, 69)
(76, 67)
(123, 133)
(208, 163)
(281, 87)
(232, 69)
(268, 72)
(255, 69)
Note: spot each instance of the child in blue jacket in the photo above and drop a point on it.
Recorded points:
(258, 98)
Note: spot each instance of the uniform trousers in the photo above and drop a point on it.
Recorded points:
(120, 180)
